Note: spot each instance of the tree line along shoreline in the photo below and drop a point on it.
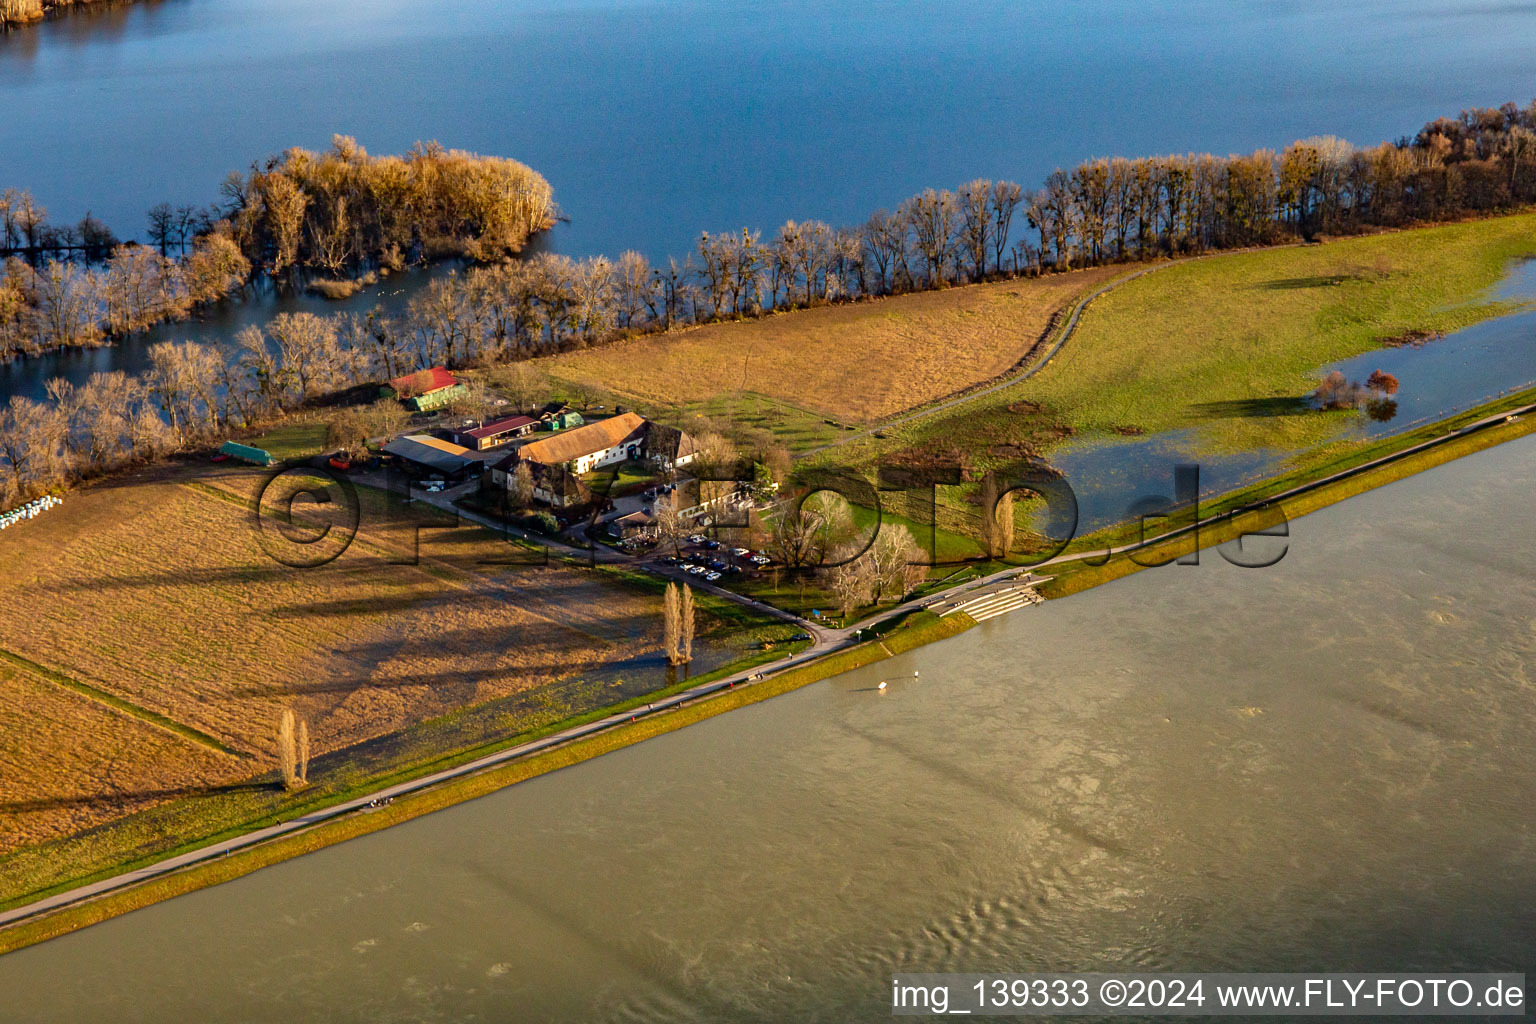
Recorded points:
(344, 211)
(300, 213)
(16, 13)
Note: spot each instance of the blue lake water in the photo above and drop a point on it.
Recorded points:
(1519, 286)
(656, 119)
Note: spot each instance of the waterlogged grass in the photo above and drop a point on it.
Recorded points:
(1228, 343)
(1220, 339)
(1073, 577)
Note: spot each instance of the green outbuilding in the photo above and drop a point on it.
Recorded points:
(246, 453)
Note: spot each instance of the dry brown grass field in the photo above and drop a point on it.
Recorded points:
(859, 362)
(61, 751)
(153, 590)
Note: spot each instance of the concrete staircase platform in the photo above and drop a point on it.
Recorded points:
(991, 601)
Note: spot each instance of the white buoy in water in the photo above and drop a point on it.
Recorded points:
(882, 684)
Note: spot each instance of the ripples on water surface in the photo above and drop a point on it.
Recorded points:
(1326, 764)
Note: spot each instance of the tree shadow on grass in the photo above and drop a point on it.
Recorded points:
(118, 796)
(1251, 408)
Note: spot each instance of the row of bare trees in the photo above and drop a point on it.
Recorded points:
(1102, 210)
(337, 210)
(190, 394)
(329, 212)
(24, 228)
(66, 304)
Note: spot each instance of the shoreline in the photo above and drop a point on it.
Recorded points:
(47, 10)
(212, 864)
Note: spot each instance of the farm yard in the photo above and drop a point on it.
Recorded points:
(148, 645)
(859, 362)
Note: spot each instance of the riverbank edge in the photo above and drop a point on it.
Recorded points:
(916, 631)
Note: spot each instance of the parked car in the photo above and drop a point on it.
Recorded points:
(669, 560)
(696, 538)
(801, 636)
(740, 552)
(712, 544)
(712, 576)
(733, 568)
(697, 570)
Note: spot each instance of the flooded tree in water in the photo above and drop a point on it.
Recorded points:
(1381, 381)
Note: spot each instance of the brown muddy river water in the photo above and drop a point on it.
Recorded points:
(1329, 764)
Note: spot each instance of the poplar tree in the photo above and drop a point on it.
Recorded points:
(685, 649)
(671, 624)
(287, 755)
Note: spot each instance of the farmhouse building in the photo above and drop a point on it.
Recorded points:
(496, 433)
(553, 485)
(583, 449)
(668, 447)
(558, 461)
(635, 526)
(425, 390)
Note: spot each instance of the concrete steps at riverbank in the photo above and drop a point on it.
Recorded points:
(991, 601)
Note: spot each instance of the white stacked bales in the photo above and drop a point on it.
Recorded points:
(31, 510)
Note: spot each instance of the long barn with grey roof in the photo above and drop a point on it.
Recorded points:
(431, 454)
